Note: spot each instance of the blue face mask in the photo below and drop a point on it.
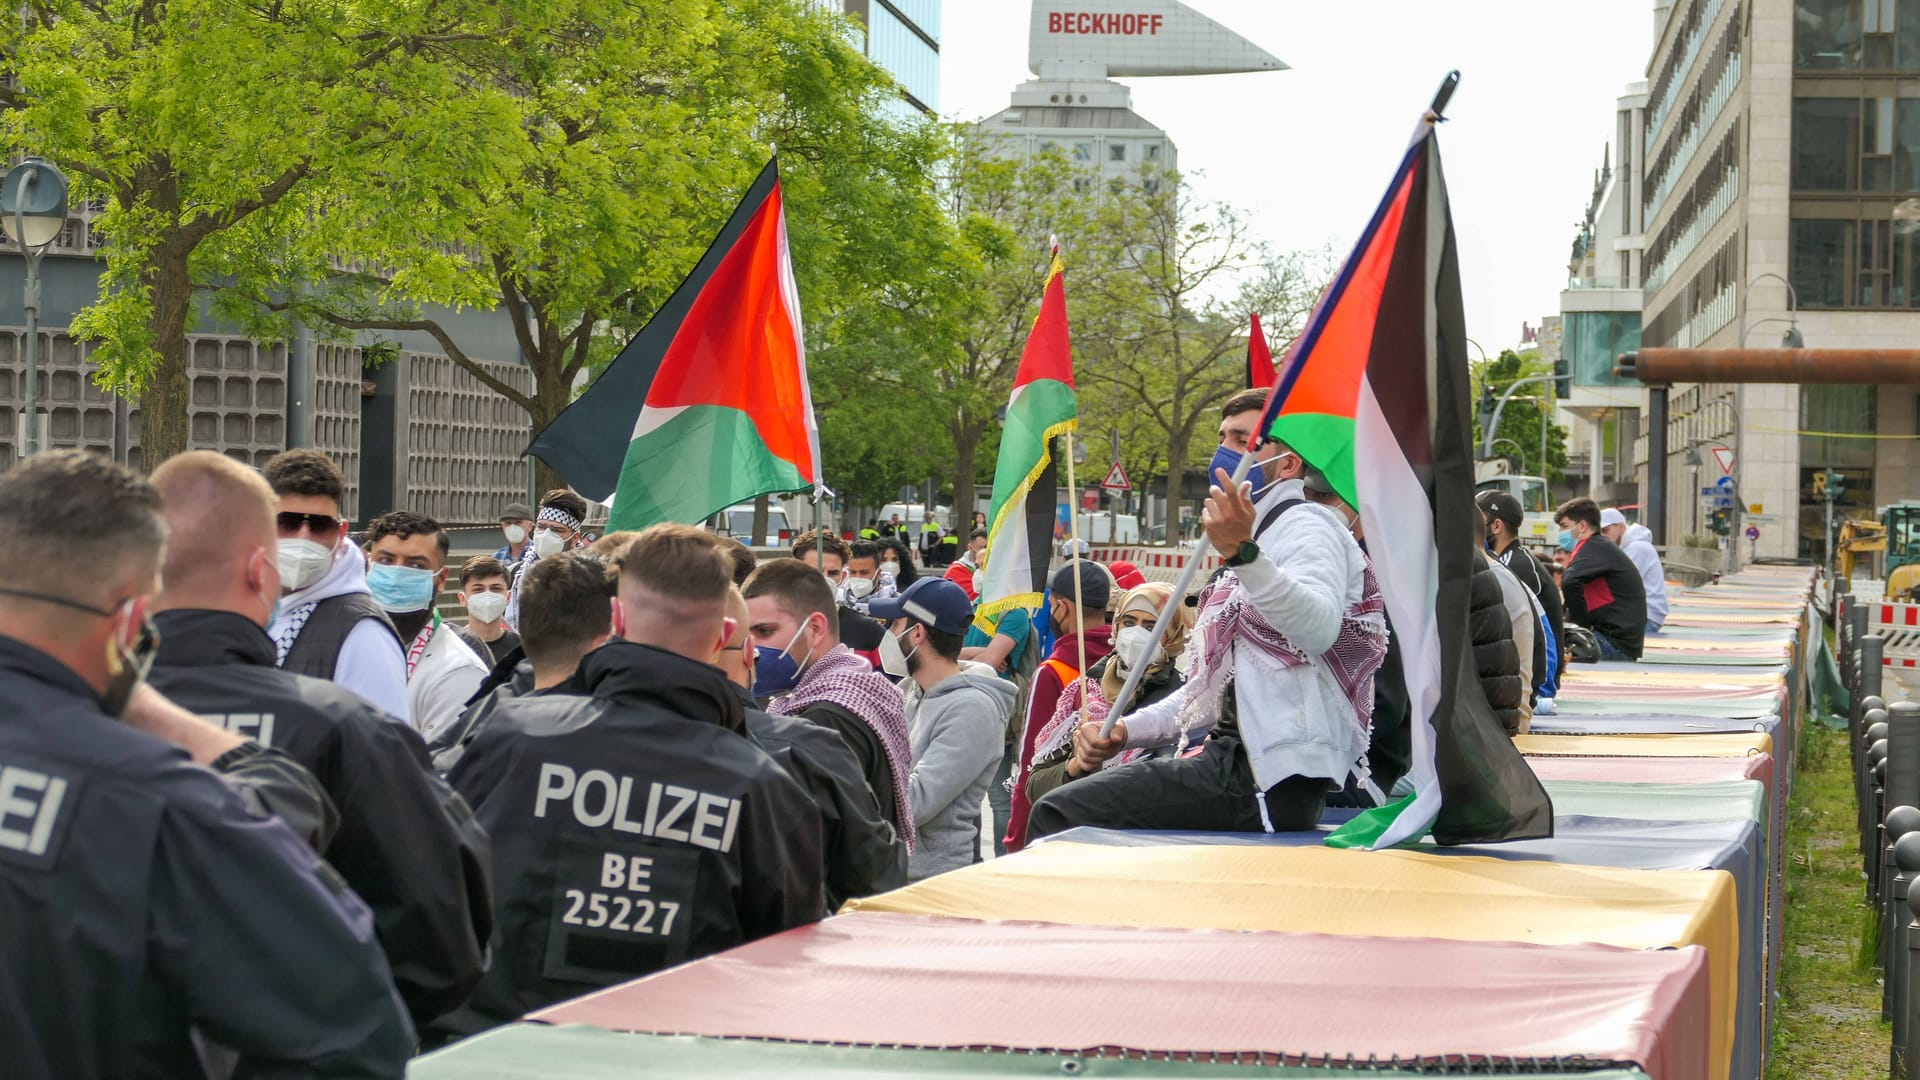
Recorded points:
(1225, 459)
(400, 589)
(775, 671)
(1566, 539)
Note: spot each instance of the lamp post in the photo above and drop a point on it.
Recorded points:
(33, 201)
(1493, 422)
(1692, 461)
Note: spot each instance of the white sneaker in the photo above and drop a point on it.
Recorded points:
(1544, 707)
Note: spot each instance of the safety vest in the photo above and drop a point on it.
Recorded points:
(869, 534)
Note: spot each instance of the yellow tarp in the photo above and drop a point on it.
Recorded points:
(1370, 893)
(1730, 744)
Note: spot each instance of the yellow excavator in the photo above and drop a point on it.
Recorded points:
(1897, 533)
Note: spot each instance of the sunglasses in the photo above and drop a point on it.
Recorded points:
(291, 523)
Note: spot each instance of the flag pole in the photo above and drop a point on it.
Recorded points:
(1073, 545)
(1187, 571)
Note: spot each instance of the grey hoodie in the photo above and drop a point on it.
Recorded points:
(958, 733)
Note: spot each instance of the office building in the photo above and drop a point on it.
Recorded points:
(1073, 105)
(1782, 165)
(903, 37)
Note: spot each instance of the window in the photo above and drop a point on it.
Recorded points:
(1826, 144)
(1083, 151)
(1819, 261)
(1116, 151)
(1592, 342)
(1153, 151)
(1854, 35)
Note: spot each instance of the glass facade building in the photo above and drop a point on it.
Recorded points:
(903, 37)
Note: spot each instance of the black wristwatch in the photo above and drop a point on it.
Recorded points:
(1244, 554)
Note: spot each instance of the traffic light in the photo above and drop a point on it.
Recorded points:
(1836, 485)
(1720, 522)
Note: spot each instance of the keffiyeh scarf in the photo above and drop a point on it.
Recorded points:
(839, 677)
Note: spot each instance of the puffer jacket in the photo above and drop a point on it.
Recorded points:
(1494, 654)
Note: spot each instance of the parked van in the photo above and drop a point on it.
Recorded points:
(737, 521)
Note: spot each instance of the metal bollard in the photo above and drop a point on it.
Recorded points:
(1902, 821)
(1874, 731)
(1903, 753)
(1873, 657)
(1857, 623)
(1906, 1027)
(1877, 809)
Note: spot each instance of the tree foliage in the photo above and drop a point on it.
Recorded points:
(1521, 419)
(222, 140)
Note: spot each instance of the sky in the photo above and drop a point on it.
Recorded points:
(1308, 152)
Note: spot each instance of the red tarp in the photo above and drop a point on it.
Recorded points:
(906, 980)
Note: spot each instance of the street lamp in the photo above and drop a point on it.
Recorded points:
(1493, 422)
(33, 203)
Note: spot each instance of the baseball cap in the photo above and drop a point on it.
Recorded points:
(937, 602)
(516, 512)
(1610, 517)
(1126, 575)
(1501, 506)
(1096, 585)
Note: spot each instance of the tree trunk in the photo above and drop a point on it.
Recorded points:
(164, 428)
(1176, 476)
(551, 396)
(966, 447)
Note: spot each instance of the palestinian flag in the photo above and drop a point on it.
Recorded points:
(1375, 394)
(1259, 357)
(708, 405)
(1042, 405)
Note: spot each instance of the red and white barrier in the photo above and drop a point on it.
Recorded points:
(1160, 564)
(1899, 626)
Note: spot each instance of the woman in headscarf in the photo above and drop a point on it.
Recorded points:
(1140, 609)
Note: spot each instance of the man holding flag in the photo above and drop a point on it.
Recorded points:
(1280, 688)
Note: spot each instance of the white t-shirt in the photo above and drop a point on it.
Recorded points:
(447, 675)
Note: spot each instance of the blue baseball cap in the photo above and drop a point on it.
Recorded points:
(937, 602)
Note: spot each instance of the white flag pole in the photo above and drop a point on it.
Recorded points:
(1180, 587)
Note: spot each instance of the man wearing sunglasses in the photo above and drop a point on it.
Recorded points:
(328, 625)
(145, 912)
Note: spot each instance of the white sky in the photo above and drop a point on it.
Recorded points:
(1308, 152)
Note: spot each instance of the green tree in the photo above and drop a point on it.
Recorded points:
(638, 127)
(1520, 421)
(221, 139)
(1164, 325)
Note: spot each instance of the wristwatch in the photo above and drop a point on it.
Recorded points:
(1244, 554)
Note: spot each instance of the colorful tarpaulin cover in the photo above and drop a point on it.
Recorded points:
(1644, 770)
(1726, 800)
(1292, 998)
(1332, 891)
(1582, 724)
(580, 1053)
(1731, 744)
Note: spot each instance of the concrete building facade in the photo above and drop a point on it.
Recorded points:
(1782, 142)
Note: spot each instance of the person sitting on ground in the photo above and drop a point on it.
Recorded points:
(635, 825)
(1523, 633)
(802, 669)
(864, 853)
(1601, 586)
(1082, 632)
(484, 591)
(957, 716)
(1141, 608)
(1283, 653)
(1504, 517)
(1637, 541)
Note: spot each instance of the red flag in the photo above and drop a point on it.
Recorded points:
(1259, 358)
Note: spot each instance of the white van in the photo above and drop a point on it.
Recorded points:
(737, 521)
(1107, 527)
(912, 515)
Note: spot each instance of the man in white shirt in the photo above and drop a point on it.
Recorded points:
(1637, 541)
(407, 553)
(1283, 695)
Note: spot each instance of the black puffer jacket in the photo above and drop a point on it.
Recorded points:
(1494, 654)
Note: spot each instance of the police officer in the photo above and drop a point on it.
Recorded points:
(407, 844)
(145, 912)
(635, 826)
(864, 853)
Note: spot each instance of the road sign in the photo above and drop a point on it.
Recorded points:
(1723, 502)
(1753, 532)
(1724, 455)
(1724, 482)
(1710, 491)
(1116, 479)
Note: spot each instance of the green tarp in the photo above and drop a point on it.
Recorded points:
(1725, 800)
(583, 1053)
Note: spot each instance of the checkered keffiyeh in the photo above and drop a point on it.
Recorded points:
(292, 621)
(842, 678)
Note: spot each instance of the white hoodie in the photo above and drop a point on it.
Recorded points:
(370, 663)
(1637, 542)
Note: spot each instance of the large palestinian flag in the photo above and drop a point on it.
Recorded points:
(1375, 394)
(708, 405)
(1042, 405)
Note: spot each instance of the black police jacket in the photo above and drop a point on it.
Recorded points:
(633, 828)
(406, 843)
(142, 903)
(864, 854)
